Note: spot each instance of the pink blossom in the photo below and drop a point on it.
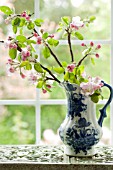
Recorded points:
(23, 75)
(98, 47)
(70, 67)
(7, 21)
(44, 91)
(32, 78)
(91, 44)
(76, 22)
(84, 74)
(12, 45)
(97, 55)
(39, 39)
(90, 87)
(25, 54)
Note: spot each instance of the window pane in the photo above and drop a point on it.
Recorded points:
(51, 118)
(13, 87)
(17, 125)
(83, 8)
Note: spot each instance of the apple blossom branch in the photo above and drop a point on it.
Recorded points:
(69, 42)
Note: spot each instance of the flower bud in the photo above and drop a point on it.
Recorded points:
(98, 47)
(97, 55)
(91, 44)
(83, 44)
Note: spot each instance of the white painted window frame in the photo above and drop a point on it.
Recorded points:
(37, 103)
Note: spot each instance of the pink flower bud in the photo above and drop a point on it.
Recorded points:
(91, 44)
(98, 46)
(9, 61)
(51, 36)
(11, 69)
(49, 86)
(39, 39)
(35, 34)
(28, 18)
(23, 14)
(14, 46)
(10, 45)
(83, 44)
(27, 53)
(97, 55)
(23, 75)
(44, 91)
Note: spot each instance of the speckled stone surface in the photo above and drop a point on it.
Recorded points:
(52, 158)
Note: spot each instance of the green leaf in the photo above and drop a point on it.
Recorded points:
(40, 84)
(92, 61)
(19, 57)
(65, 20)
(6, 10)
(23, 63)
(66, 76)
(59, 70)
(16, 21)
(36, 56)
(45, 35)
(22, 22)
(64, 64)
(80, 70)
(12, 53)
(15, 29)
(79, 35)
(95, 98)
(53, 42)
(31, 42)
(46, 52)
(38, 68)
(21, 38)
(59, 29)
(92, 18)
(71, 76)
(30, 25)
(38, 22)
(28, 66)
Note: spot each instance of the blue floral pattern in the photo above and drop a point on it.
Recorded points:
(81, 135)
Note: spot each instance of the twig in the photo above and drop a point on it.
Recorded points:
(70, 47)
(79, 63)
(53, 55)
(50, 73)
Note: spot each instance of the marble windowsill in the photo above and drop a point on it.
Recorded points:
(32, 157)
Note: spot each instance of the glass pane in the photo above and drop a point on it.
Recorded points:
(49, 125)
(83, 8)
(101, 67)
(17, 125)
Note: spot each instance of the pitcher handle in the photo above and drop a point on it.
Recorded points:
(103, 110)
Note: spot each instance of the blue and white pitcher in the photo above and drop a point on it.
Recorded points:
(80, 130)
